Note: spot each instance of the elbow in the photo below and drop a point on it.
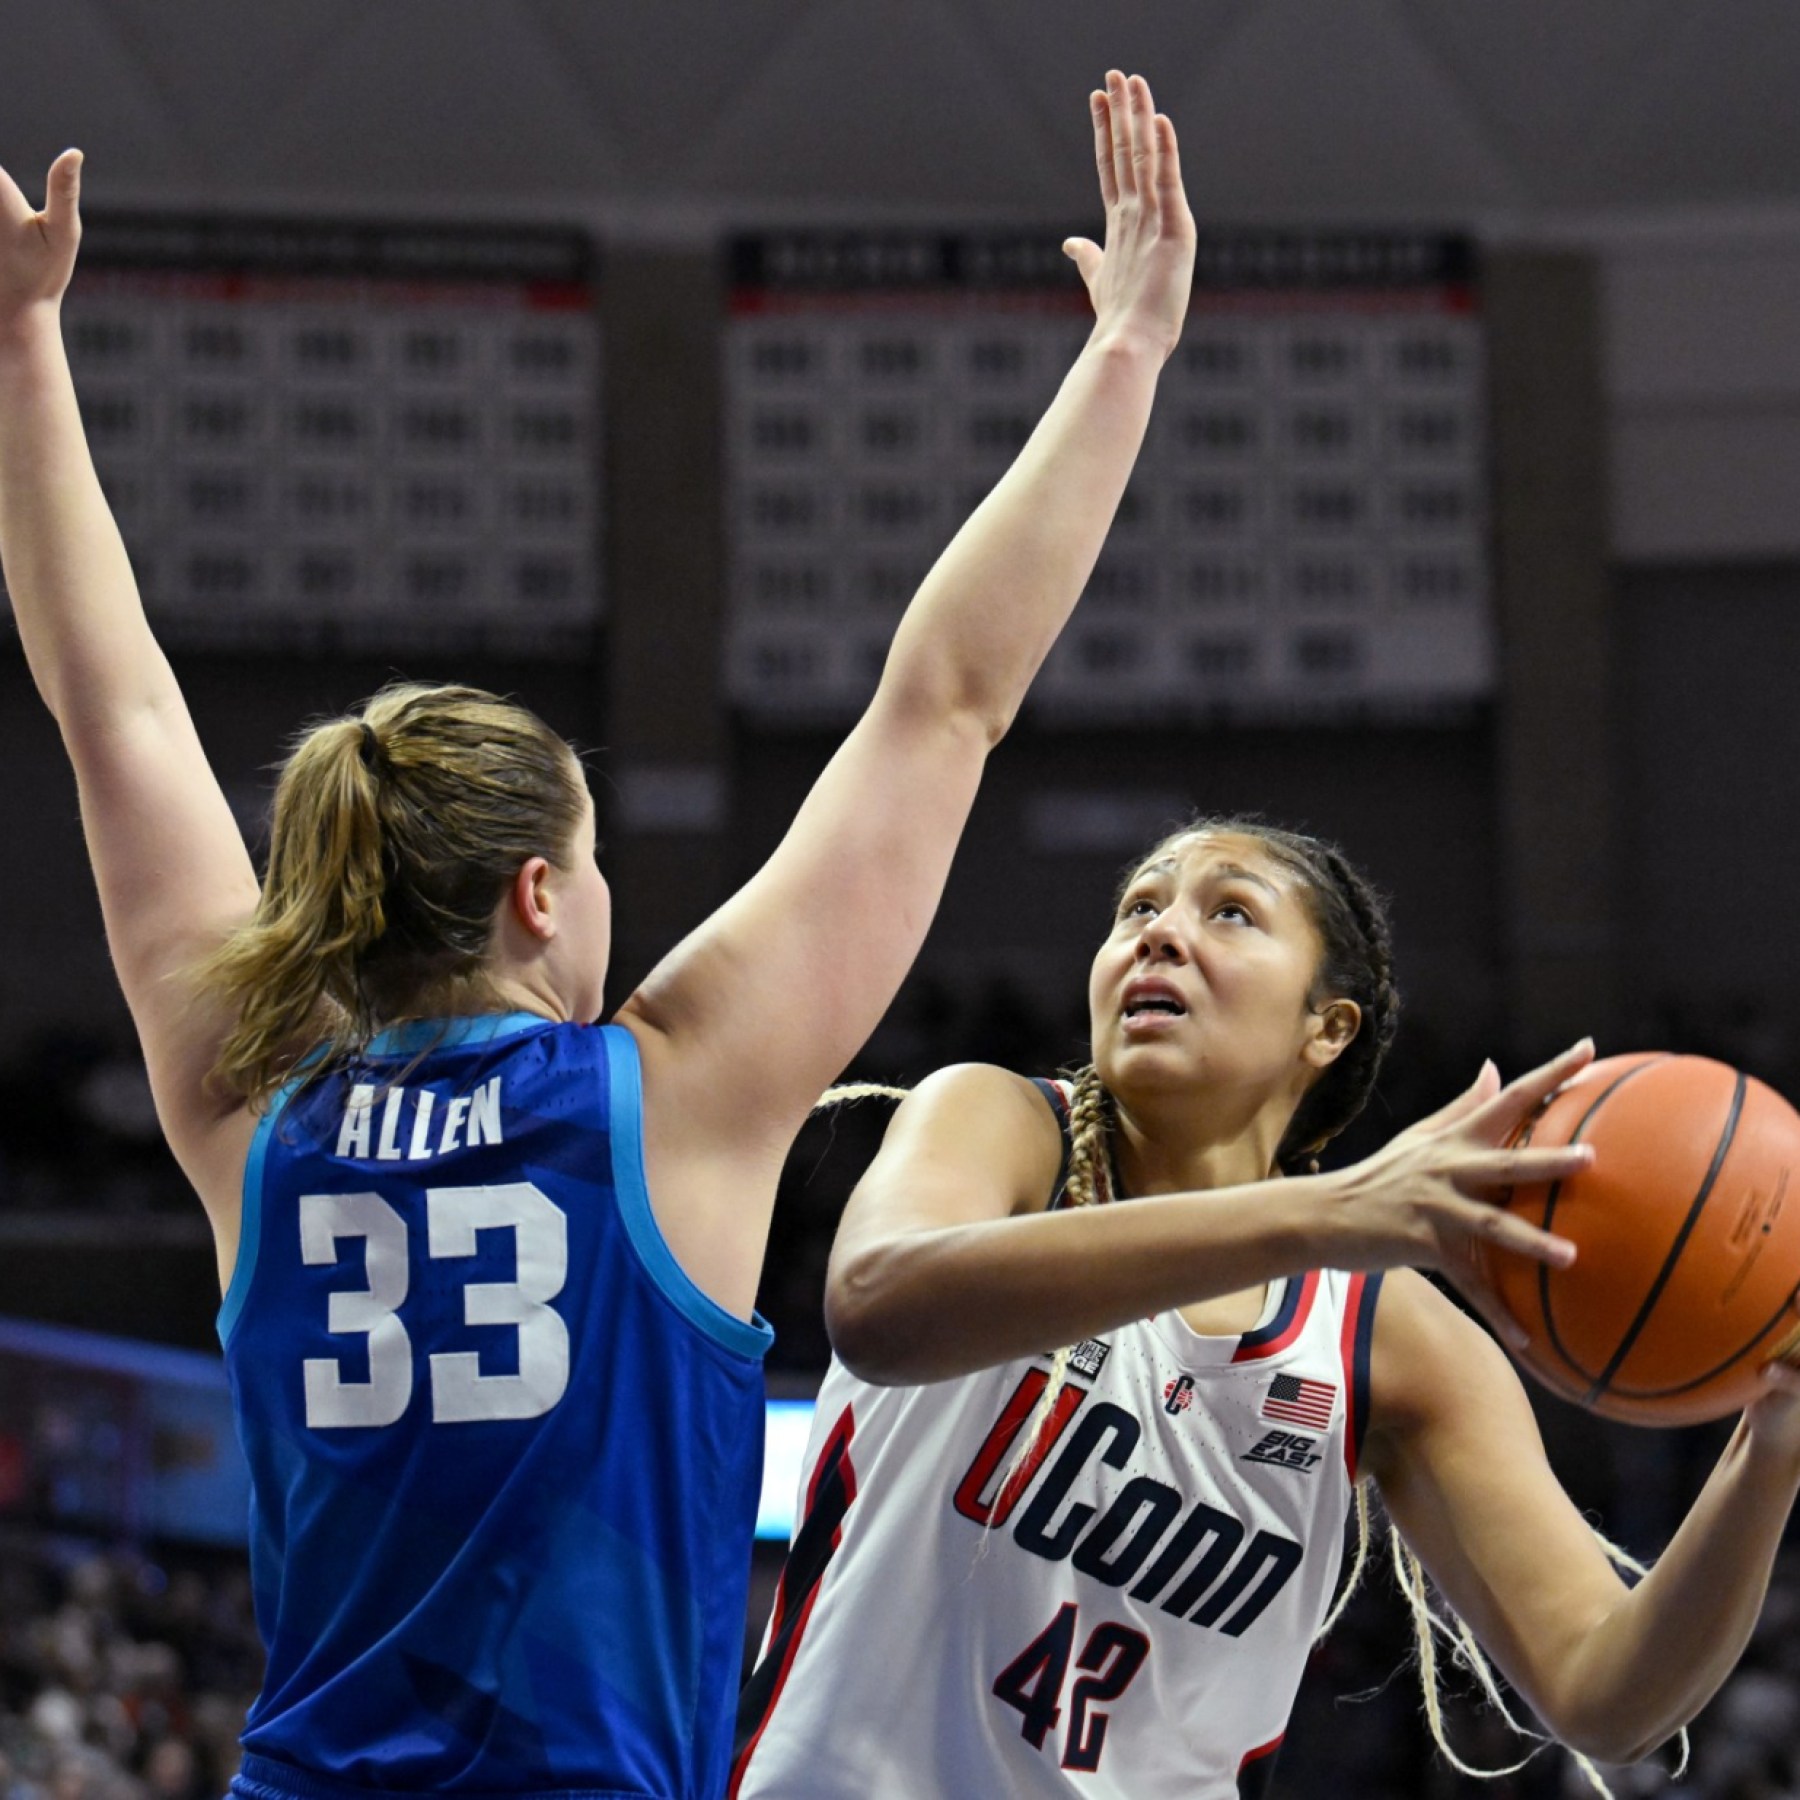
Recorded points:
(963, 703)
(1609, 1735)
(870, 1331)
(1615, 1749)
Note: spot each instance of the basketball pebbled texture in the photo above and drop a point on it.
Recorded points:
(1688, 1240)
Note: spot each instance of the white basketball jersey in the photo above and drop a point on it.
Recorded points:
(1129, 1615)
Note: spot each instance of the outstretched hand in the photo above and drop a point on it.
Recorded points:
(1432, 1193)
(1141, 282)
(37, 249)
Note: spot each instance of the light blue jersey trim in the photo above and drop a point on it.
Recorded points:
(243, 1271)
(443, 1034)
(626, 1126)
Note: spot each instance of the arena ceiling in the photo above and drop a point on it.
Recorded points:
(675, 114)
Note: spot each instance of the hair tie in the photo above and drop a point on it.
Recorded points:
(370, 747)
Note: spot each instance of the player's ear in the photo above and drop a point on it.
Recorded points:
(529, 898)
(1330, 1031)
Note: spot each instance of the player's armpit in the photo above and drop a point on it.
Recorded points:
(1457, 1455)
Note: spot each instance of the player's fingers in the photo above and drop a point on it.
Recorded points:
(1087, 257)
(14, 207)
(1516, 1102)
(1101, 108)
(1143, 135)
(1171, 196)
(1485, 1171)
(1502, 1230)
(1118, 109)
(62, 197)
(1781, 1376)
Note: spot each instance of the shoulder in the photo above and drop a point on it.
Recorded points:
(1431, 1367)
(988, 1085)
(977, 1119)
(989, 1099)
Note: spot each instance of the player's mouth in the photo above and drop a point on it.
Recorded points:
(1149, 1005)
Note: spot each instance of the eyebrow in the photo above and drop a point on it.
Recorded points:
(1237, 872)
(1230, 871)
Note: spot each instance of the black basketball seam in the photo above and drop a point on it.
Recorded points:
(1685, 1387)
(1681, 1237)
(1550, 1199)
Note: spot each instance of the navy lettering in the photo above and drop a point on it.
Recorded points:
(1103, 1422)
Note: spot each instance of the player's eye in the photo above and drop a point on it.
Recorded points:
(1236, 911)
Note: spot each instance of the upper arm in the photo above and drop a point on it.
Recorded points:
(969, 1144)
(174, 879)
(752, 1016)
(1456, 1452)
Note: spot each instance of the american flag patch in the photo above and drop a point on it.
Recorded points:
(1297, 1401)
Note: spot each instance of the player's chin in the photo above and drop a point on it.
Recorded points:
(1162, 1058)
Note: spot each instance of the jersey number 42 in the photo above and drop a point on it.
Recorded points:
(1032, 1683)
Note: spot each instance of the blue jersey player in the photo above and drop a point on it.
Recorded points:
(489, 1267)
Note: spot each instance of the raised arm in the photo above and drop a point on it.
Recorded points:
(171, 866)
(749, 1019)
(947, 1261)
(1612, 1671)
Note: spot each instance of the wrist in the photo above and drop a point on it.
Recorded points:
(30, 330)
(1769, 1442)
(1132, 341)
(1302, 1216)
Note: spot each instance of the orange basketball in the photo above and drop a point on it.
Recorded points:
(1688, 1235)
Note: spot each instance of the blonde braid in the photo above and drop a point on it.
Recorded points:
(847, 1093)
(1358, 1564)
(1466, 1653)
(1087, 1183)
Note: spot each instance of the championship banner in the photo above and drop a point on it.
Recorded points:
(1306, 536)
(346, 436)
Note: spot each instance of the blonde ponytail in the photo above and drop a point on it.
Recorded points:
(396, 833)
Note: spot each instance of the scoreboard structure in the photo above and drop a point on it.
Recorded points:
(1307, 533)
(346, 436)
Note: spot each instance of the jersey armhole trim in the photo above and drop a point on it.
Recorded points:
(243, 1270)
(625, 1127)
(1058, 1102)
(1358, 1338)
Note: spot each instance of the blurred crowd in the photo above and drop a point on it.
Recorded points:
(125, 1676)
(122, 1676)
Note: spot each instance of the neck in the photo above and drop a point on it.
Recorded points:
(1169, 1146)
(483, 991)
(519, 993)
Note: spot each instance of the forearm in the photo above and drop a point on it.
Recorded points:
(1666, 1648)
(73, 592)
(929, 1304)
(988, 612)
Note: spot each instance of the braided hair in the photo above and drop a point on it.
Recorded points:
(1357, 964)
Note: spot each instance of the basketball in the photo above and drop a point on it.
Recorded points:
(1688, 1235)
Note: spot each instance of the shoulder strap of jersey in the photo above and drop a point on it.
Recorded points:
(1058, 1095)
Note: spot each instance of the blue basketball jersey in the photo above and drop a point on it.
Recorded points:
(505, 1457)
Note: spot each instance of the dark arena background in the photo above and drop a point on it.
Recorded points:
(638, 358)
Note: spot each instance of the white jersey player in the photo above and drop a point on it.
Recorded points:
(1097, 1573)
(1126, 1613)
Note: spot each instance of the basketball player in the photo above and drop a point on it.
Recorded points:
(489, 1269)
(1099, 1571)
